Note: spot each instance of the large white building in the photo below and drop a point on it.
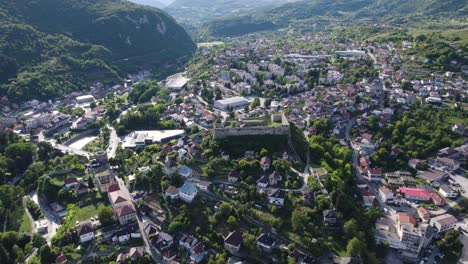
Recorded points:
(85, 99)
(444, 222)
(231, 103)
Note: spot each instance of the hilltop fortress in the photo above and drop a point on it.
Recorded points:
(279, 125)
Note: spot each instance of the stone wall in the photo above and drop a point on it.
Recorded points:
(220, 133)
(284, 129)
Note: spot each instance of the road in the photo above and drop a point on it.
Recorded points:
(349, 125)
(464, 257)
(48, 215)
(113, 143)
(149, 249)
(66, 149)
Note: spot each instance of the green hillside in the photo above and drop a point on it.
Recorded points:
(48, 47)
(302, 13)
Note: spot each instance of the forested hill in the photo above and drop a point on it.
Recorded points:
(48, 47)
(193, 12)
(313, 12)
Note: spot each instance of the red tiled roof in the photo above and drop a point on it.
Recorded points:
(199, 248)
(415, 192)
(406, 218)
(423, 211)
(436, 198)
(113, 188)
(265, 160)
(61, 258)
(69, 181)
(385, 189)
(125, 210)
(375, 171)
(234, 238)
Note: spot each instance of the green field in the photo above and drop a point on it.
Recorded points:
(26, 225)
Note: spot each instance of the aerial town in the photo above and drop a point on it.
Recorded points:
(261, 151)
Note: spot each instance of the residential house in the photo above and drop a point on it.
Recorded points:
(233, 176)
(415, 163)
(113, 188)
(265, 163)
(151, 230)
(233, 241)
(385, 193)
(137, 196)
(448, 152)
(170, 167)
(198, 252)
(172, 192)
(70, 183)
(162, 241)
(61, 259)
(204, 185)
(374, 174)
(121, 236)
(274, 178)
(415, 194)
(368, 197)
(433, 176)
(125, 214)
(447, 191)
(187, 241)
(424, 214)
(169, 255)
(81, 188)
(276, 197)
(263, 182)
(266, 242)
(249, 154)
(225, 155)
(444, 222)
(136, 252)
(104, 181)
(309, 197)
(117, 199)
(330, 217)
(85, 232)
(185, 171)
(187, 192)
(436, 199)
(447, 163)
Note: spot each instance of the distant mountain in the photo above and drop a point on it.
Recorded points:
(351, 11)
(197, 11)
(48, 47)
(153, 3)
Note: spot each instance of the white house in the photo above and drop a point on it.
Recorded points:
(385, 193)
(85, 232)
(263, 182)
(187, 192)
(185, 171)
(233, 241)
(266, 242)
(276, 197)
(265, 163)
(444, 222)
(187, 241)
(121, 237)
(447, 191)
(172, 192)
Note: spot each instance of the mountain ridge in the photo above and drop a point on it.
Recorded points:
(49, 47)
(394, 11)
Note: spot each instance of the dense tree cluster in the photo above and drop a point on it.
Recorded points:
(419, 133)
